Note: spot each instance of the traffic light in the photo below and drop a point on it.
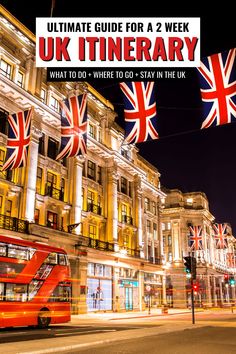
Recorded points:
(232, 281)
(196, 287)
(187, 264)
(190, 264)
(226, 278)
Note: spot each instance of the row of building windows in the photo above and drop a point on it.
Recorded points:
(6, 69)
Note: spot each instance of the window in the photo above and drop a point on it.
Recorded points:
(52, 148)
(123, 187)
(93, 231)
(20, 79)
(8, 207)
(44, 271)
(2, 159)
(163, 226)
(42, 145)
(168, 226)
(51, 258)
(1, 291)
(3, 121)
(43, 95)
(123, 212)
(52, 220)
(169, 256)
(10, 270)
(16, 292)
(99, 174)
(3, 249)
(154, 231)
(169, 240)
(61, 293)
(17, 252)
(154, 208)
(91, 170)
(51, 179)
(147, 204)
(62, 259)
(54, 104)
(5, 69)
(34, 287)
(148, 228)
(92, 131)
(130, 189)
(164, 241)
(189, 201)
(36, 216)
(90, 197)
(39, 180)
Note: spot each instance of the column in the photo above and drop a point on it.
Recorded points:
(138, 213)
(31, 176)
(208, 291)
(176, 241)
(112, 212)
(116, 290)
(77, 193)
(164, 289)
(221, 292)
(141, 290)
(214, 292)
(74, 266)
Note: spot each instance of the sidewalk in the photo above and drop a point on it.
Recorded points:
(110, 316)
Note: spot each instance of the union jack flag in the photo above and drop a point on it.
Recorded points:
(220, 233)
(195, 238)
(139, 111)
(218, 88)
(73, 126)
(18, 139)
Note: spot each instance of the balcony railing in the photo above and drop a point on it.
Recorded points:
(54, 192)
(101, 245)
(94, 208)
(155, 260)
(127, 219)
(133, 253)
(13, 224)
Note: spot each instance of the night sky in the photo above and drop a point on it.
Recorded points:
(187, 158)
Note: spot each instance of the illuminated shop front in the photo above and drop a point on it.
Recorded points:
(99, 283)
(152, 289)
(128, 289)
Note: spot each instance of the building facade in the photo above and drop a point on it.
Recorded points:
(215, 267)
(103, 208)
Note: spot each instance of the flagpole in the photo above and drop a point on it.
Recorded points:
(52, 7)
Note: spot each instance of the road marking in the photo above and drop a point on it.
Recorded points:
(92, 331)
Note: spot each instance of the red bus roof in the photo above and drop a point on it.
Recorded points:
(37, 244)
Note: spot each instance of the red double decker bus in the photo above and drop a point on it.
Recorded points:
(35, 288)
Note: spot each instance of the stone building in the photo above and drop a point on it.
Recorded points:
(215, 267)
(103, 208)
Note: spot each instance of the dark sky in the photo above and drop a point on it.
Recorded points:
(200, 160)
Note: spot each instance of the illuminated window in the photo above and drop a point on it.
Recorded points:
(93, 231)
(154, 208)
(148, 228)
(36, 216)
(91, 170)
(169, 240)
(20, 79)
(52, 220)
(190, 201)
(43, 95)
(155, 231)
(39, 180)
(163, 226)
(147, 204)
(123, 212)
(51, 179)
(168, 226)
(90, 197)
(92, 131)
(54, 104)
(8, 207)
(5, 69)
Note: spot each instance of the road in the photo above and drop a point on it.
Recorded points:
(214, 332)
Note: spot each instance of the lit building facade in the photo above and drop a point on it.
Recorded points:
(215, 267)
(103, 209)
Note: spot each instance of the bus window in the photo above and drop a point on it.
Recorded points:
(62, 259)
(16, 292)
(51, 258)
(43, 271)
(34, 287)
(17, 252)
(31, 252)
(1, 291)
(3, 249)
(61, 293)
(10, 270)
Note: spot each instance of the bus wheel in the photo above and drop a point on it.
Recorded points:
(43, 318)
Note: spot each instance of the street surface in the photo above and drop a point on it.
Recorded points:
(109, 333)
